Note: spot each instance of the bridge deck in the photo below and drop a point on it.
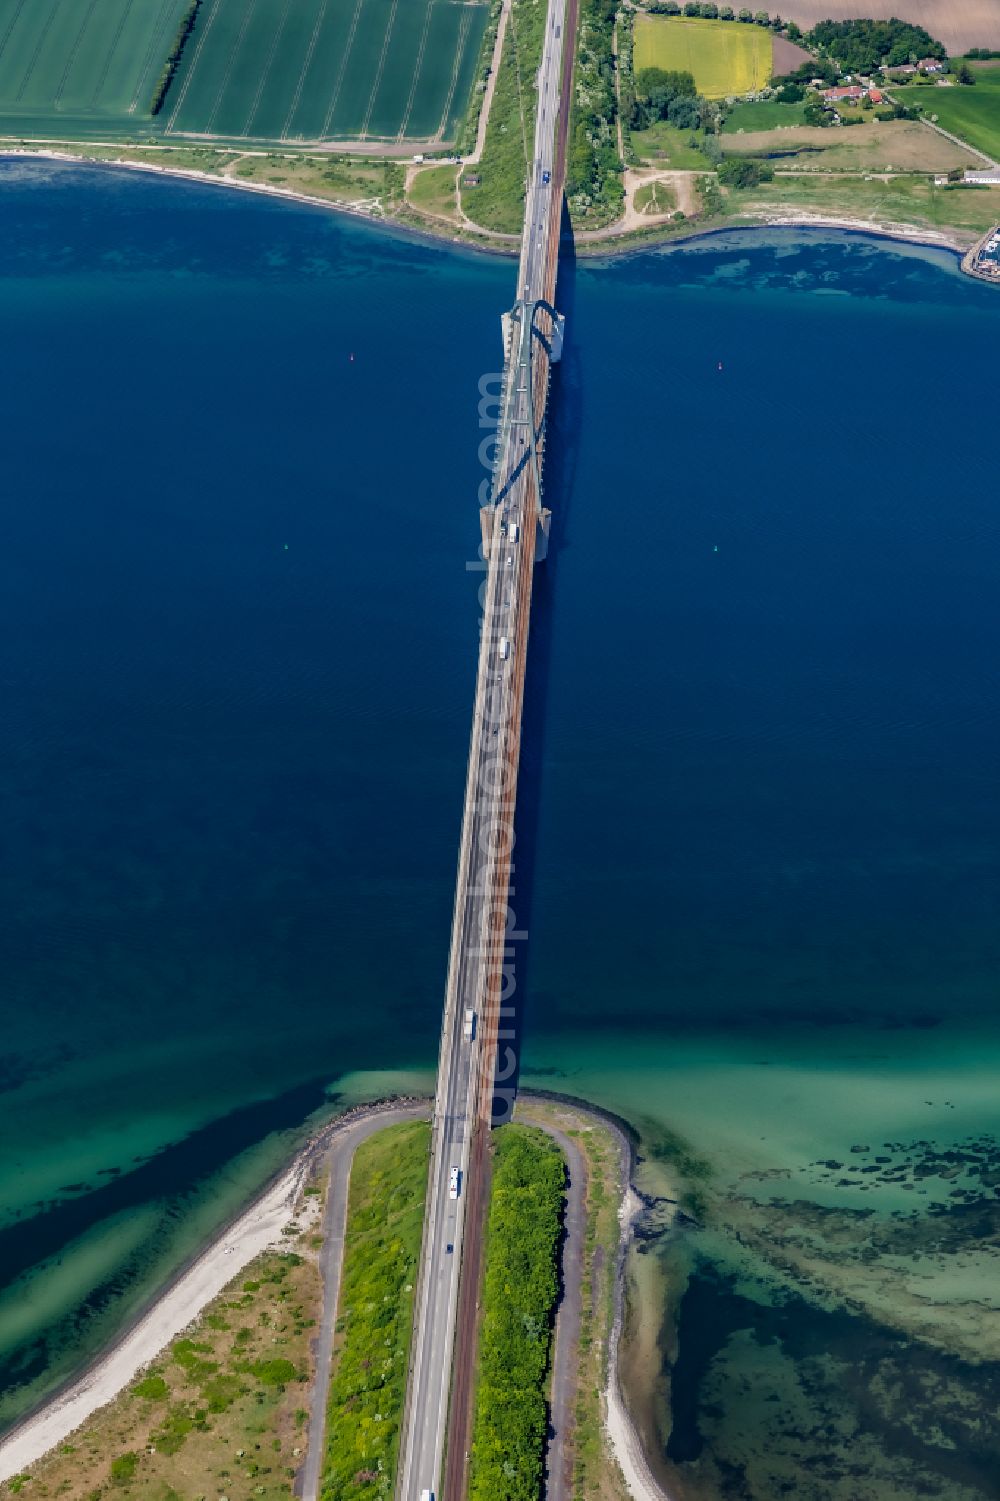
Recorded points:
(478, 972)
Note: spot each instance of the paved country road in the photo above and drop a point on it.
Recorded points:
(338, 1162)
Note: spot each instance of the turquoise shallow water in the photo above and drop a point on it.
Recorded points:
(757, 854)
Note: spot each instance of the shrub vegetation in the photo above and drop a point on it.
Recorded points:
(744, 172)
(375, 1315)
(216, 1413)
(593, 165)
(519, 1295)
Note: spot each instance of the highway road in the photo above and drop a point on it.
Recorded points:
(475, 972)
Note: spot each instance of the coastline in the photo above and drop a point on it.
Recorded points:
(622, 1431)
(593, 245)
(259, 1227)
(256, 1228)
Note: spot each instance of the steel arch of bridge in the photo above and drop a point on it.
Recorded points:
(532, 455)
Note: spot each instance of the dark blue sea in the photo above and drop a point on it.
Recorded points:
(758, 852)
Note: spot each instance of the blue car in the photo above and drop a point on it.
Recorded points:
(546, 177)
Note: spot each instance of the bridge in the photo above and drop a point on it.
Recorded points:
(473, 1076)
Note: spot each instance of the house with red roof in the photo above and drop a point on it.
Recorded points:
(844, 95)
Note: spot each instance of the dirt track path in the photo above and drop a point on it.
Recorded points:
(685, 189)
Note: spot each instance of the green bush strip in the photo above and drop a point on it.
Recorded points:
(385, 1214)
(172, 63)
(519, 1295)
(593, 165)
(498, 202)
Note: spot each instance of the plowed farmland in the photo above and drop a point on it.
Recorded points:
(67, 60)
(313, 70)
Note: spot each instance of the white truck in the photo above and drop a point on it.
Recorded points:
(513, 531)
(426, 1496)
(504, 648)
(470, 1023)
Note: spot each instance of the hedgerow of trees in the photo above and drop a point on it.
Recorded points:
(593, 164)
(172, 63)
(862, 46)
(709, 11)
(519, 1294)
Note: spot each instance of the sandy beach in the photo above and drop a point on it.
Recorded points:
(259, 1227)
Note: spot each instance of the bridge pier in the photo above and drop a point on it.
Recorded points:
(542, 542)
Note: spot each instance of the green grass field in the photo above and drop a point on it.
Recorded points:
(903, 200)
(664, 145)
(971, 111)
(726, 57)
(296, 70)
(655, 198)
(68, 60)
(433, 190)
(762, 115)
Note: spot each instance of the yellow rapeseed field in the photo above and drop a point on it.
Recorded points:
(726, 57)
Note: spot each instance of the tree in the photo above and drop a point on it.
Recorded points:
(692, 8)
(793, 31)
(745, 15)
(648, 79)
(744, 172)
(709, 10)
(965, 74)
(861, 46)
(791, 93)
(815, 114)
(762, 18)
(725, 13)
(684, 113)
